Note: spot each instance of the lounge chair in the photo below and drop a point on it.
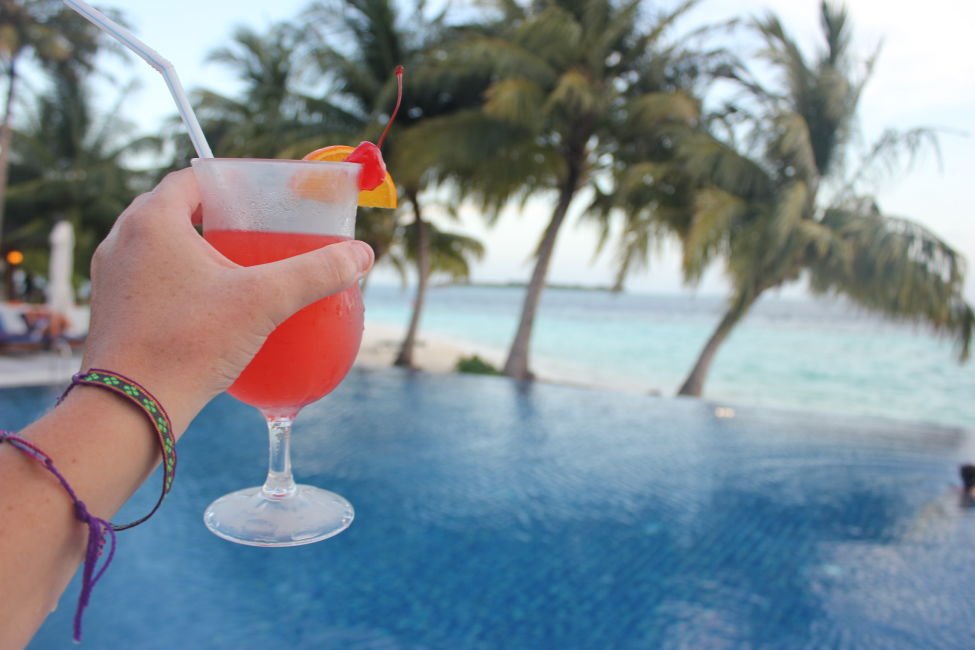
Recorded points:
(12, 340)
(35, 333)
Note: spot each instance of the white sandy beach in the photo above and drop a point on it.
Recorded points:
(380, 343)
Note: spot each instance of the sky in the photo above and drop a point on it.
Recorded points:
(925, 76)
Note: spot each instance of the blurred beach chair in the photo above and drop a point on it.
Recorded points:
(35, 329)
(16, 335)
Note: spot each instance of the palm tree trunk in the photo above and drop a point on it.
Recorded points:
(694, 384)
(6, 135)
(405, 356)
(622, 272)
(517, 364)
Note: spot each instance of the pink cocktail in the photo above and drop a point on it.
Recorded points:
(309, 354)
(261, 211)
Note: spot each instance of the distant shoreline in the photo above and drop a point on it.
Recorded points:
(437, 354)
(513, 284)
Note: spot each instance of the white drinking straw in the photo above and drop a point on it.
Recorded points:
(152, 57)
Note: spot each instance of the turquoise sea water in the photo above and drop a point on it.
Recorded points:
(818, 355)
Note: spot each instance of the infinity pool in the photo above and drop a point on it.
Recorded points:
(496, 516)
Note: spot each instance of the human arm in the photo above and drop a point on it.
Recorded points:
(175, 315)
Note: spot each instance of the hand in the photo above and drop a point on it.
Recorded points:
(172, 313)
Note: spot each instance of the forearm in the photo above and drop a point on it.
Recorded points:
(171, 312)
(105, 449)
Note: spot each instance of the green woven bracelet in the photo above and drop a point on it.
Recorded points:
(136, 394)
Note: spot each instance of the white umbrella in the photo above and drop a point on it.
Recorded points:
(60, 296)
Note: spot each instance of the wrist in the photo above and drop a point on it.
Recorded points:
(139, 398)
(173, 392)
(104, 446)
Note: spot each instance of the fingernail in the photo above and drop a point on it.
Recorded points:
(364, 255)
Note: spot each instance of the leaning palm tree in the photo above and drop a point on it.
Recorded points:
(50, 33)
(449, 254)
(779, 210)
(564, 75)
(360, 44)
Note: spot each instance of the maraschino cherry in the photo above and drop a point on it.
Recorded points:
(368, 154)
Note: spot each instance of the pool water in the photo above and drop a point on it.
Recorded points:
(493, 515)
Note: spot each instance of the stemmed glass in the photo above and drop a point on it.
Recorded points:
(260, 211)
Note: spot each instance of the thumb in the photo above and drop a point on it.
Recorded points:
(293, 283)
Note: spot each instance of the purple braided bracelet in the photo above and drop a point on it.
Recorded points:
(98, 529)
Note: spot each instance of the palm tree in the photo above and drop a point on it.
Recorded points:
(361, 42)
(55, 37)
(69, 163)
(779, 210)
(279, 112)
(449, 254)
(273, 116)
(419, 248)
(564, 77)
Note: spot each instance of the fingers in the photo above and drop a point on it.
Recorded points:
(175, 199)
(178, 195)
(293, 283)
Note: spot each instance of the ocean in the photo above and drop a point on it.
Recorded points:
(795, 353)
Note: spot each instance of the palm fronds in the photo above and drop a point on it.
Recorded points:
(895, 267)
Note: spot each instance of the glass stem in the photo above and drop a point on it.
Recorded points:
(280, 484)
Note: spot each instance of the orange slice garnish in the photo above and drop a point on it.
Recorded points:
(383, 196)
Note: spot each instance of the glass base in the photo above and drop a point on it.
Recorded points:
(249, 517)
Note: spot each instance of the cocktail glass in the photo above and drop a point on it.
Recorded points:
(260, 211)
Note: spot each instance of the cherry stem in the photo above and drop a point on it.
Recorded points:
(399, 100)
